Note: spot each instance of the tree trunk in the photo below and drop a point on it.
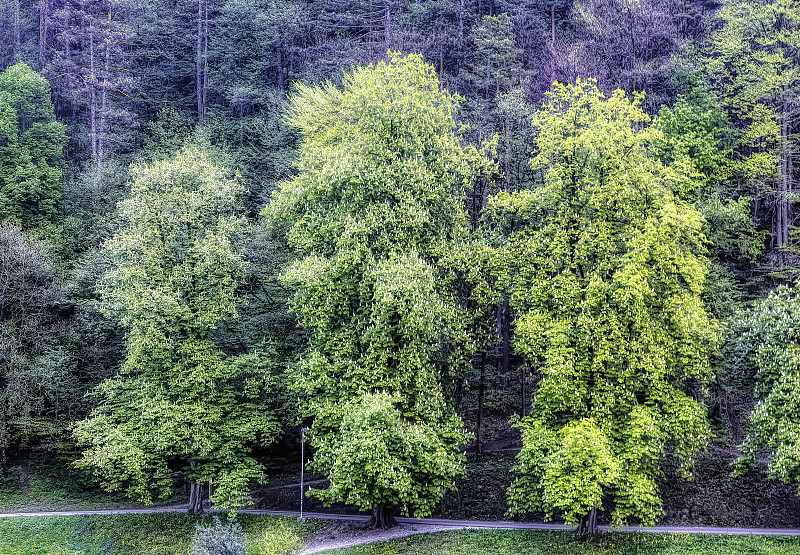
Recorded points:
(195, 506)
(205, 54)
(553, 43)
(481, 396)
(17, 33)
(382, 517)
(24, 473)
(387, 25)
(588, 524)
(782, 224)
(279, 68)
(44, 15)
(505, 335)
(92, 97)
(104, 96)
(199, 63)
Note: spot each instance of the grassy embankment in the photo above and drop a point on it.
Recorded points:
(519, 542)
(162, 534)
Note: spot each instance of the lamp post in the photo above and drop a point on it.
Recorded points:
(302, 465)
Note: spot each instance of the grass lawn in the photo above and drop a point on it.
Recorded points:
(513, 542)
(161, 533)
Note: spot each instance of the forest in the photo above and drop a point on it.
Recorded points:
(402, 230)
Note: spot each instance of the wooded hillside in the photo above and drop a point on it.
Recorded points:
(410, 227)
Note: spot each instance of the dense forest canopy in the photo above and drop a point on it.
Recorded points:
(227, 219)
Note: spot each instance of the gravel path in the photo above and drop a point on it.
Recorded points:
(338, 534)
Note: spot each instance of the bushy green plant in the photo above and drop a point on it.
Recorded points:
(281, 539)
(219, 539)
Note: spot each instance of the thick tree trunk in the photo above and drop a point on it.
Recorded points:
(195, 506)
(24, 473)
(382, 517)
(588, 524)
(481, 396)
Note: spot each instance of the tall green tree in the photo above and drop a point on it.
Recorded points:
(178, 402)
(31, 150)
(605, 276)
(697, 139)
(35, 377)
(90, 70)
(754, 62)
(373, 213)
(766, 339)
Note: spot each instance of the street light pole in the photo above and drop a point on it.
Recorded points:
(302, 465)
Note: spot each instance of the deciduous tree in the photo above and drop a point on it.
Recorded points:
(31, 149)
(606, 276)
(178, 402)
(767, 337)
(373, 214)
(753, 63)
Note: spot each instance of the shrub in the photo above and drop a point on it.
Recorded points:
(281, 539)
(219, 539)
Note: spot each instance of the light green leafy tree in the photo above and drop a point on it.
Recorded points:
(31, 149)
(753, 63)
(605, 275)
(696, 138)
(767, 337)
(178, 402)
(374, 213)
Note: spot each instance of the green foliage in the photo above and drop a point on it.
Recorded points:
(379, 457)
(31, 149)
(495, 66)
(752, 61)
(281, 539)
(697, 140)
(606, 277)
(178, 402)
(769, 338)
(374, 212)
(218, 539)
(35, 377)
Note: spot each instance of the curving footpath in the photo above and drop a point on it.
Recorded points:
(445, 522)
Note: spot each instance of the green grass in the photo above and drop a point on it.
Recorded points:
(514, 542)
(56, 487)
(160, 533)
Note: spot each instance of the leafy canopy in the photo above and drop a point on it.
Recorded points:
(178, 402)
(769, 339)
(606, 277)
(31, 149)
(374, 213)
